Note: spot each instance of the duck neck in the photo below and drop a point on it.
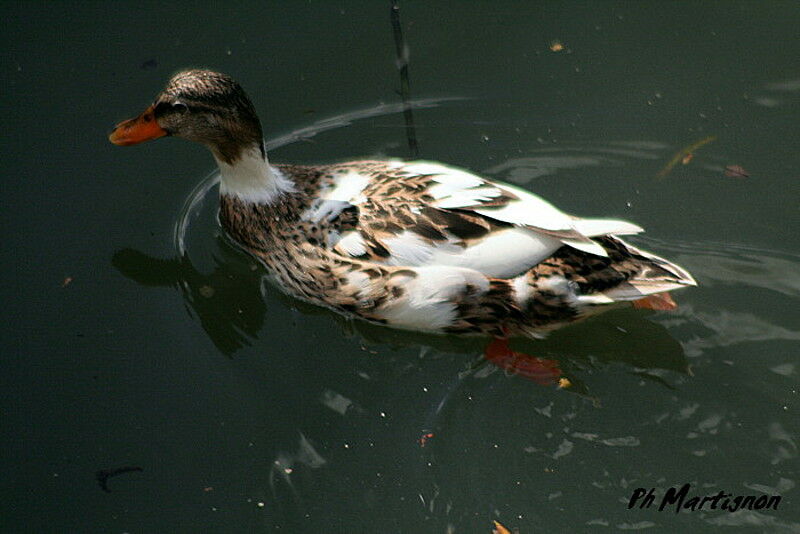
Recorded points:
(251, 178)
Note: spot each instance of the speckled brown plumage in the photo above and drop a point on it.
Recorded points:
(296, 251)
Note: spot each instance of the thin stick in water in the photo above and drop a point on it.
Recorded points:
(405, 91)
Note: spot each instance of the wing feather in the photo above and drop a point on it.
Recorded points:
(425, 213)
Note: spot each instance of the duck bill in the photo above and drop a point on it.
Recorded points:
(137, 130)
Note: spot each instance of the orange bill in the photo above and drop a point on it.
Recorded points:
(137, 130)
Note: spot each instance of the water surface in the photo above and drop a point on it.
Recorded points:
(135, 336)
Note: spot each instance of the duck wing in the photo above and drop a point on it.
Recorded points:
(422, 213)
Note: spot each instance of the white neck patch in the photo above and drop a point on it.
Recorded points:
(252, 179)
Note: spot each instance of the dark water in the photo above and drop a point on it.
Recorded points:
(249, 412)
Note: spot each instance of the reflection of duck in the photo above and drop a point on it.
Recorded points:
(416, 245)
(227, 302)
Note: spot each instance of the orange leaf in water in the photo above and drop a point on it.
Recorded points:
(556, 46)
(499, 529)
(687, 158)
(424, 438)
(67, 281)
(736, 171)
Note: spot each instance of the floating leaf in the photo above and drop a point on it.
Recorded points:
(683, 153)
(424, 438)
(556, 46)
(499, 529)
(736, 171)
(206, 291)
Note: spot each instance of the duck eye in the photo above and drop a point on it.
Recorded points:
(180, 107)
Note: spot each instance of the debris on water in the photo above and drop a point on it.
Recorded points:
(564, 383)
(687, 158)
(366, 349)
(556, 46)
(149, 64)
(736, 171)
(683, 153)
(206, 291)
(103, 475)
(424, 438)
(67, 281)
(208, 488)
(499, 528)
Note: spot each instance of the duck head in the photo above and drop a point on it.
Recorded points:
(203, 106)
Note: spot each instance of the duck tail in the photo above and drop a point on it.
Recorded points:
(655, 278)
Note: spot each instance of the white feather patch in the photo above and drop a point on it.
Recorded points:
(529, 210)
(448, 176)
(409, 248)
(359, 280)
(596, 227)
(558, 285)
(429, 299)
(327, 209)
(586, 246)
(347, 188)
(504, 254)
(500, 255)
(467, 197)
(252, 179)
(595, 299)
(333, 238)
(522, 290)
(351, 245)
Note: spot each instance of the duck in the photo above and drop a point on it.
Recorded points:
(415, 245)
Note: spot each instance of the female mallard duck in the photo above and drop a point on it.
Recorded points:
(415, 245)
